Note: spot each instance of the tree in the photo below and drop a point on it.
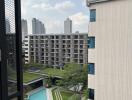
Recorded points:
(74, 76)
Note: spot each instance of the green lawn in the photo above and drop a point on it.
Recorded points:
(28, 77)
(66, 94)
(70, 68)
(53, 72)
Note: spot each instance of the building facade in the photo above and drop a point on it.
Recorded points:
(38, 27)
(24, 28)
(110, 50)
(56, 49)
(68, 26)
(8, 28)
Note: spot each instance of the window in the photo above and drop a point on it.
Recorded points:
(91, 94)
(91, 42)
(91, 68)
(92, 15)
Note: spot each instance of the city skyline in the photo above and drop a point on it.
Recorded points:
(54, 13)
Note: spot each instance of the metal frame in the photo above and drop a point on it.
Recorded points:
(3, 68)
(19, 48)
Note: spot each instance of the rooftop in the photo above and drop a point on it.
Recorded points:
(89, 2)
(85, 33)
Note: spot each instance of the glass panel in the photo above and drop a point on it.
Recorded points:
(91, 94)
(91, 68)
(11, 47)
(92, 15)
(91, 42)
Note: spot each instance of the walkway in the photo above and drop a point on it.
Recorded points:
(58, 94)
(49, 94)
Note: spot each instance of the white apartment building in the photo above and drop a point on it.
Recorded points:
(110, 50)
(56, 49)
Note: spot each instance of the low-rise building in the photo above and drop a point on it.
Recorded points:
(56, 49)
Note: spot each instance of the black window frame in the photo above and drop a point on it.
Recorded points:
(3, 58)
(91, 94)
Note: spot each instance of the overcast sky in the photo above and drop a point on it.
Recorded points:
(53, 13)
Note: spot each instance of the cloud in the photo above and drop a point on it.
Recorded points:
(80, 21)
(53, 26)
(64, 6)
(25, 7)
(61, 6)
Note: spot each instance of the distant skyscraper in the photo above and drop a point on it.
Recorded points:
(37, 27)
(68, 26)
(8, 30)
(24, 28)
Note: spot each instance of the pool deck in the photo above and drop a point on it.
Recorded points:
(49, 94)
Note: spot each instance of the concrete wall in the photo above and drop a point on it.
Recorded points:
(113, 50)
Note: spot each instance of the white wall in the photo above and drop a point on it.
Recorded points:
(113, 50)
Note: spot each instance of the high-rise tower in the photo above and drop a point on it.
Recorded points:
(37, 27)
(68, 26)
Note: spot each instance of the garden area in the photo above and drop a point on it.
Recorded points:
(70, 85)
(61, 94)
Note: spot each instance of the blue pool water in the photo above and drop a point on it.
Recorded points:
(38, 95)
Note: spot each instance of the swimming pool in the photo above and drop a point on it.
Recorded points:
(38, 95)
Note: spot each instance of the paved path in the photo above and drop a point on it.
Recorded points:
(49, 94)
(58, 94)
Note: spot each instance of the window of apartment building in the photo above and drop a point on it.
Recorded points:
(36, 37)
(42, 54)
(75, 41)
(26, 44)
(31, 41)
(36, 45)
(26, 36)
(69, 37)
(92, 15)
(81, 61)
(32, 53)
(81, 36)
(81, 51)
(31, 37)
(91, 94)
(52, 37)
(57, 37)
(26, 48)
(81, 41)
(91, 42)
(42, 49)
(64, 41)
(42, 41)
(32, 49)
(41, 37)
(68, 41)
(63, 37)
(57, 41)
(75, 51)
(26, 52)
(91, 68)
(25, 40)
(76, 36)
(81, 46)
